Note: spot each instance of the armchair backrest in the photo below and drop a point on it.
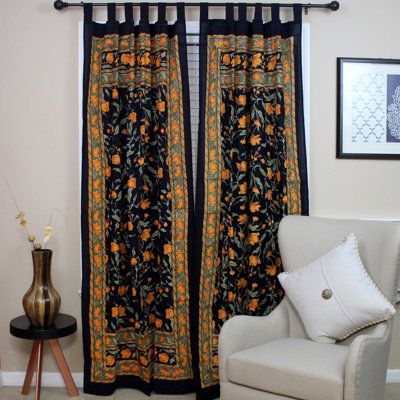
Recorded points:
(304, 239)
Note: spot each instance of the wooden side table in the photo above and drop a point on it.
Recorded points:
(64, 325)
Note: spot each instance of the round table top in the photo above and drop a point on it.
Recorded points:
(63, 325)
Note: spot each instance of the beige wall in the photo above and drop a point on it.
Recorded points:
(39, 144)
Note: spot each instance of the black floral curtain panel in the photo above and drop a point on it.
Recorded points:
(160, 278)
(252, 167)
(136, 205)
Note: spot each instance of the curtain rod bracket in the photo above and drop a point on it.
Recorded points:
(333, 5)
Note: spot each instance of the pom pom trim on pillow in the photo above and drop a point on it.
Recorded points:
(286, 277)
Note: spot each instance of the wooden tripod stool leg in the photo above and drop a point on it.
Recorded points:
(63, 366)
(31, 368)
(39, 369)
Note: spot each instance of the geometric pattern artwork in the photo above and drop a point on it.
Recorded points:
(368, 113)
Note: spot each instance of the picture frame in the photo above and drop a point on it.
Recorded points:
(368, 108)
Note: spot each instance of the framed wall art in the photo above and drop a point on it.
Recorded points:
(368, 123)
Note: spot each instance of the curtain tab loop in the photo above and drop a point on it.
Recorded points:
(258, 17)
(88, 12)
(275, 13)
(297, 12)
(229, 12)
(111, 12)
(203, 12)
(144, 12)
(128, 12)
(180, 11)
(242, 12)
(161, 13)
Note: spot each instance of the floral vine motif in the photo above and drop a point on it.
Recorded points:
(393, 115)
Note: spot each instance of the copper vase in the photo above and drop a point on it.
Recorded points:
(41, 302)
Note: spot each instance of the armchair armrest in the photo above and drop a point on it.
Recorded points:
(366, 365)
(243, 332)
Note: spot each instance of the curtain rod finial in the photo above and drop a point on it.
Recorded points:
(60, 5)
(334, 5)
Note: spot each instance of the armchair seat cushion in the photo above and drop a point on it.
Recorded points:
(298, 368)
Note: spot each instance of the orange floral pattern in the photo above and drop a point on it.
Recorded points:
(137, 211)
(252, 181)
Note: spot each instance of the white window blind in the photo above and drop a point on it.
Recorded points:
(193, 71)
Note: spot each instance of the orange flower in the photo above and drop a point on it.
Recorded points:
(253, 305)
(222, 314)
(110, 58)
(160, 105)
(241, 100)
(167, 249)
(134, 261)
(271, 270)
(105, 107)
(132, 116)
(145, 204)
(243, 188)
(269, 108)
(114, 312)
(226, 59)
(158, 323)
(226, 174)
(272, 64)
(256, 60)
(146, 235)
(169, 313)
(254, 261)
(122, 290)
(242, 122)
(147, 255)
(114, 247)
(121, 311)
(125, 58)
(115, 93)
(253, 238)
(255, 140)
(242, 166)
(132, 183)
(242, 219)
(163, 358)
(143, 361)
(254, 206)
(116, 159)
(126, 353)
(110, 360)
(241, 283)
(269, 129)
(97, 164)
(150, 298)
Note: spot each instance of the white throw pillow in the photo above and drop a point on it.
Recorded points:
(334, 295)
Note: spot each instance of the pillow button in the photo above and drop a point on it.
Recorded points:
(326, 294)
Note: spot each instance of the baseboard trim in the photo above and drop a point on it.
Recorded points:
(54, 379)
(393, 376)
(49, 379)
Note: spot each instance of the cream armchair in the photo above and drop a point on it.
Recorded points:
(270, 358)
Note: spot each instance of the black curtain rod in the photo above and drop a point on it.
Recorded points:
(333, 5)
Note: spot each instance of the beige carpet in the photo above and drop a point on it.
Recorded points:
(13, 393)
